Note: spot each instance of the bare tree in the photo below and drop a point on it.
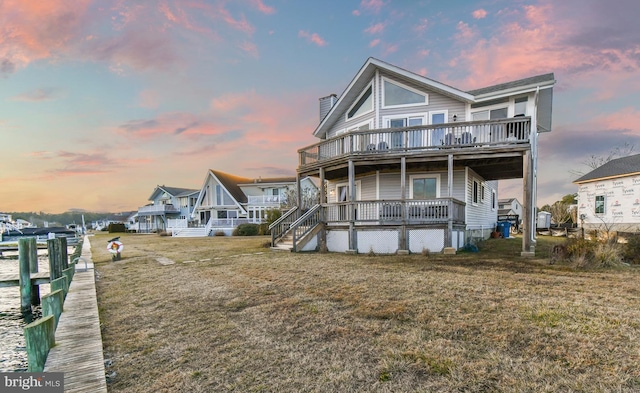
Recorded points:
(560, 212)
(309, 198)
(595, 161)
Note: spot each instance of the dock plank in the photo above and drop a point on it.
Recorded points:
(13, 280)
(78, 350)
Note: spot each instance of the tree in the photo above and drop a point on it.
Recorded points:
(309, 198)
(595, 161)
(560, 212)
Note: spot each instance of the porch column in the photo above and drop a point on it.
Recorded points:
(449, 234)
(403, 247)
(353, 245)
(527, 206)
(323, 190)
(323, 201)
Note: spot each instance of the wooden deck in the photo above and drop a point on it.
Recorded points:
(13, 280)
(78, 349)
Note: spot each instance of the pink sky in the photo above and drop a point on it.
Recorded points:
(102, 101)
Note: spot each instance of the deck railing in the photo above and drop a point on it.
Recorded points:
(280, 227)
(419, 138)
(157, 209)
(432, 211)
(266, 200)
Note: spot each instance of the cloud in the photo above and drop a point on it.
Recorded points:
(479, 14)
(249, 48)
(312, 37)
(260, 6)
(375, 29)
(465, 33)
(138, 125)
(421, 27)
(42, 94)
(373, 6)
(374, 43)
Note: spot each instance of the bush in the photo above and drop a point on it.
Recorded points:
(263, 229)
(608, 254)
(247, 230)
(631, 250)
(219, 233)
(273, 215)
(117, 228)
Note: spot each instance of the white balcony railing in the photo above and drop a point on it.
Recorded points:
(472, 134)
(266, 200)
(158, 209)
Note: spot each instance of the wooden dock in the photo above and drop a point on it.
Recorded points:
(13, 280)
(78, 348)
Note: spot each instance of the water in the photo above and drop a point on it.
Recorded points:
(13, 352)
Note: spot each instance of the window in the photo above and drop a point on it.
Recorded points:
(520, 107)
(599, 204)
(222, 198)
(476, 191)
(363, 105)
(396, 94)
(498, 113)
(482, 193)
(493, 200)
(438, 134)
(424, 187)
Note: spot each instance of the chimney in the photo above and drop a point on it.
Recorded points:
(326, 103)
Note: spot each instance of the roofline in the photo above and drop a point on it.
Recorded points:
(381, 64)
(514, 90)
(606, 178)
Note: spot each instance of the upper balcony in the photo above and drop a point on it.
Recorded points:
(435, 139)
(266, 200)
(153, 210)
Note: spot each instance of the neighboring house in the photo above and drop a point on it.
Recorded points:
(609, 196)
(407, 163)
(510, 210)
(226, 200)
(168, 204)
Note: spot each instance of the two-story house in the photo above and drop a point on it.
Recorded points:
(510, 209)
(406, 163)
(226, 200)
(609, 196)
(167, 204)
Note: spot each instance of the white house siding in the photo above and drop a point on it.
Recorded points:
(622, 204)
(436, 102)
(481, 217)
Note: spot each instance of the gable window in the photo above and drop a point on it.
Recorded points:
(222, 198)
(424, 187)
(599, 204)
(396, 94)
(364, 104)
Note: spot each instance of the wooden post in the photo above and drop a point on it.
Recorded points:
(53, 246)
(402, 236)
(39, 337)
(33, 268)
(25, 277)
(352, 207)
(64, 255)
(527, 206)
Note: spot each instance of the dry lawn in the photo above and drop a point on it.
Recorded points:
(235, 321)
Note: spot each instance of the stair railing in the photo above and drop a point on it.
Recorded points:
(280, 226)
(305, 224)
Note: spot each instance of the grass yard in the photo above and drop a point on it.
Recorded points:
(231, 316)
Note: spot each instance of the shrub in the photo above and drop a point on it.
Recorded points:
(579, 248)
(266, 244)
(631, 250)
(116, 228)
(263, 229)
(246, 230)
(219, 233)
(608, 254)
(426, 252)
(273, 215)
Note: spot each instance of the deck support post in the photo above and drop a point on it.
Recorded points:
(299, 193)
(53, 246)
(403, 246)
(449, 234)
(353, 245)
(527, 206)
(323, 201)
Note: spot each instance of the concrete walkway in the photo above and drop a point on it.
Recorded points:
(78, 349)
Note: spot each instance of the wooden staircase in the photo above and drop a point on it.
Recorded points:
(190, 232)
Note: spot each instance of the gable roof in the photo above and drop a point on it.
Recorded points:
(368, 70)
(624, 166)
(231, 182)
(364, 76)
(173, 191)
(520, 85)
(270, 180)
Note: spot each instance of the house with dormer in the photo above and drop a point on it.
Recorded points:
(406, 163)
(609, 196)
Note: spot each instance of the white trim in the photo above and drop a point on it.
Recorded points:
(473, 186)
(358, 184)
(402, 85)
(515, 90)
(357, 125)
(424, 176)
(346, 113)
(407, 116)
(443, 111)
(378, 185)
(375, 103)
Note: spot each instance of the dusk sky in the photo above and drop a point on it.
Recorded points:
(100, 101)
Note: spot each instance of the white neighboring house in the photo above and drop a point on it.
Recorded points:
(225, 200)
(609, 196)
(510, 210)
(169, 207)
(409, 163)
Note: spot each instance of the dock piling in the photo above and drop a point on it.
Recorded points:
(33, 268)
(25, 277)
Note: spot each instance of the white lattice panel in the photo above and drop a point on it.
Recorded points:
(380, 242)
(337, 241)
(431, 239)
(311, 245)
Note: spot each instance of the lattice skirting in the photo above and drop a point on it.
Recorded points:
(338, 240)
(380, 242)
